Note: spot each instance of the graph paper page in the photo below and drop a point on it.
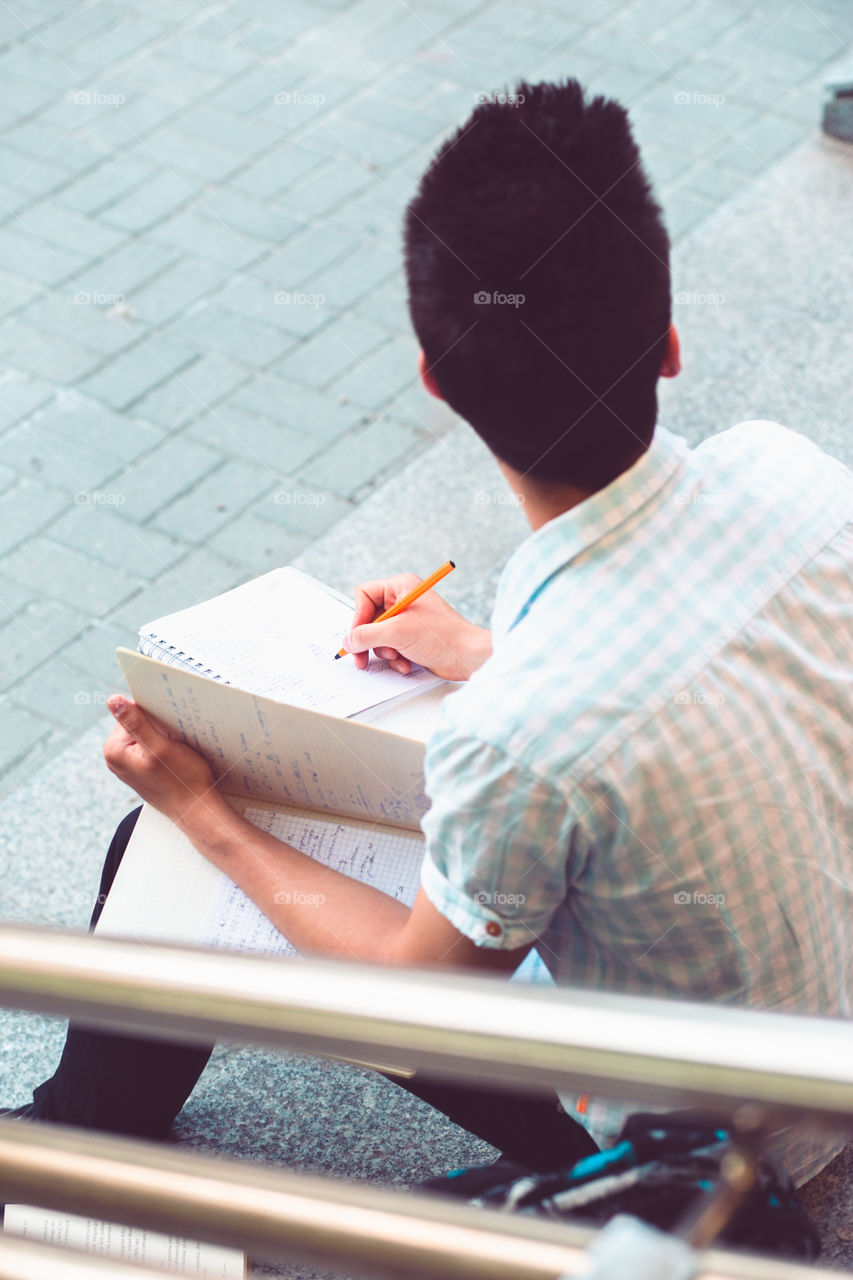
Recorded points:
(166, 890)
(388, 860)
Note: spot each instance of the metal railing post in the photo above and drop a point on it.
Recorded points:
(354, 1228)
(730, 1061)
(488, 1029)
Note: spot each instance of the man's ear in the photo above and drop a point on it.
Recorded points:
(672, 357)
(427, 377)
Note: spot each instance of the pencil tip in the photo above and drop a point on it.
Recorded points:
(337, 655)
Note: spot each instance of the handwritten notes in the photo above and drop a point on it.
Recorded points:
(270, 751)
(202, 905)
(277, 636)
(388, 860)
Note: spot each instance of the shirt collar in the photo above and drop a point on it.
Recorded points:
(556, 543)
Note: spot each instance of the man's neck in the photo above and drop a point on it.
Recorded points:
(540, 501)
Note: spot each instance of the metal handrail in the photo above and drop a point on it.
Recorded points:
(442, 1023)
(364, 1230)
(527, 1036)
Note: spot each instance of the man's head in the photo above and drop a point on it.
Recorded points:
(538, 271)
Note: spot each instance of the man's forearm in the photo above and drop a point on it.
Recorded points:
(318, 909)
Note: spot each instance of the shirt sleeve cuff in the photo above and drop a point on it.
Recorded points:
(473, 916)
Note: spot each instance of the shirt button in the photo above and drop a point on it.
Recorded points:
(493, 929)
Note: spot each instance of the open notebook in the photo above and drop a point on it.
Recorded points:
(323, 756)
(276, 636)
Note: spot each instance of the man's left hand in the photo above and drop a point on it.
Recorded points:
(168, 774)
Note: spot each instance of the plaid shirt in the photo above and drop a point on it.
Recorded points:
(651, 774)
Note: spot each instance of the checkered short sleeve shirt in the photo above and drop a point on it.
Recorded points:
(651, 776)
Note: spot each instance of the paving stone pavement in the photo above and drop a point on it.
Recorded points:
(742, 355)
(205, 354)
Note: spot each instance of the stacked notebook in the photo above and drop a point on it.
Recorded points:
(320, 754)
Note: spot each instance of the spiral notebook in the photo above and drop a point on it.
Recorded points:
(277, 636)
(322, 755)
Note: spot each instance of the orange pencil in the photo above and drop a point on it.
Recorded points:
(410, 597)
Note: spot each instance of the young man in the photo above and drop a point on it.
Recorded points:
(644, 774)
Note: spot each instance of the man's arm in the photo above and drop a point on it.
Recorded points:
(323, 911)
(318, 909)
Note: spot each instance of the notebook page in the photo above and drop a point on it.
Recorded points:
(388, 860)
(165, 890)
(270, 751)
(125, 1244)
(416, 717)
(277, 636)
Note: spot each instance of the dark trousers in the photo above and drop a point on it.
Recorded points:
(136, 1086)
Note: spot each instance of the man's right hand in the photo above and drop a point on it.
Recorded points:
(429, 633)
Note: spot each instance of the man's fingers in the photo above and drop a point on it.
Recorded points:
(354, 642)
(116, 740)
(369, 600)
(366, 637)
(136, 723)
(116, 751)
(362, 639)
(373, 598)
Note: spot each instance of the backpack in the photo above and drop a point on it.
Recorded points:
(658, 1171)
